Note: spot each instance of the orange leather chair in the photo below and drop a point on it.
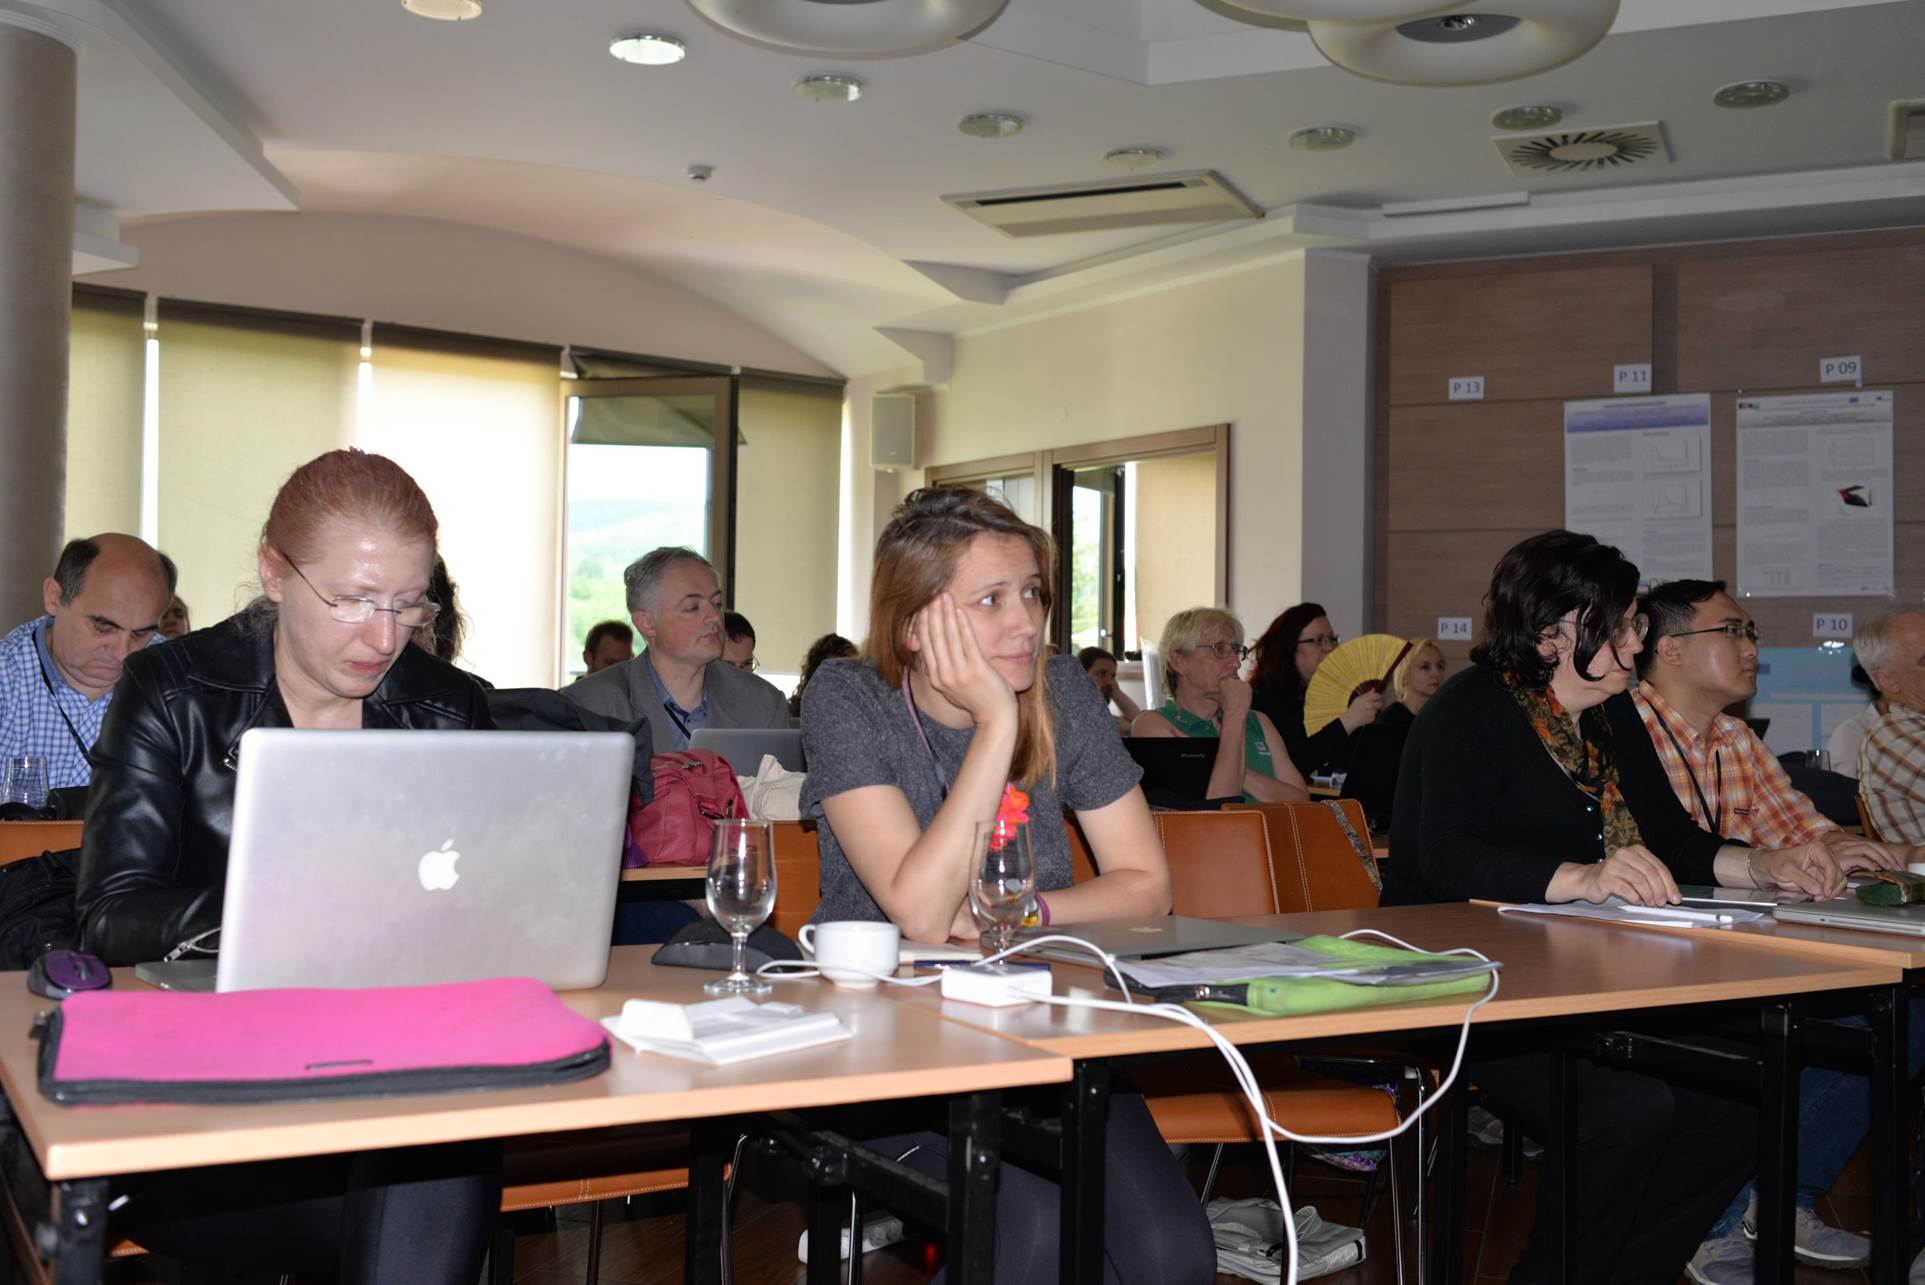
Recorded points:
(798, 875)
(1316, 867)
(22, 839)
(1220, 864)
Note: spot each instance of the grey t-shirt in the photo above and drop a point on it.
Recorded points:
(858, 732)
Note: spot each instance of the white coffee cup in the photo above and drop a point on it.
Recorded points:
(852, 952)
(1917, 867)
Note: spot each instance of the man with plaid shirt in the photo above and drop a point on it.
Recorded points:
(58, 671)
(1891, 763)
(1700, 656)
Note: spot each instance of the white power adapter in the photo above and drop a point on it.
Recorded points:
(996, 985)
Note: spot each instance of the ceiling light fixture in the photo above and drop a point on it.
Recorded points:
(991, 124)
(889, 28)
(1323, 138)
(1752, 93)
(1531, 116)
(1135, 158)
(444, 10)
(648, 48)
(1475, 42)
(825, 87)
(1341, 10)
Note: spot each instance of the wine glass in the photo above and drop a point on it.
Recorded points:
(741, 892)
(1002, 881)
(26, 780)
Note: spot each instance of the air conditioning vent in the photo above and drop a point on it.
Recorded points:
(1905, 134)
(1584, 151)
(1201, 197)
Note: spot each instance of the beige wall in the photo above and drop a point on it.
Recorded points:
(1176, 538)
(445, 276)
(788, 475)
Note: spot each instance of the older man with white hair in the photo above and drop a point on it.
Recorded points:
(1891, 764)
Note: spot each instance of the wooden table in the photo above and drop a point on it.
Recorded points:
(665, 874)
(1553, 969)
(898, 1052)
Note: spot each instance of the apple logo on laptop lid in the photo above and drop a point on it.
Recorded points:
(437, 869)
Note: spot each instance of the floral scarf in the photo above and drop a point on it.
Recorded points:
(1590, 765)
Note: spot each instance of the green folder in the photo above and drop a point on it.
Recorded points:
(1300, 996)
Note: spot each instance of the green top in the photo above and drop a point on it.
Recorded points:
(1256, 747)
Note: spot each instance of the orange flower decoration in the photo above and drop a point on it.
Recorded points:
(1010, 813)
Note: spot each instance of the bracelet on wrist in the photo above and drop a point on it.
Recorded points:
(1751, 868)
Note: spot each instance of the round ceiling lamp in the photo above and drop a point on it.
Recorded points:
(1323, 138)
(444, 10)
(1476, 43)
(827, 88)
(1135, 159)
(879, 28)
(648, 49)
(991, 124)
(1528, 116)
(1752, 93)
(1339, 10)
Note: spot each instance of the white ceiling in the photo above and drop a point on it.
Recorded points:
(816, 214)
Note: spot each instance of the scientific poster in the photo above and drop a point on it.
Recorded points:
(1637, 474)
(1815, 495)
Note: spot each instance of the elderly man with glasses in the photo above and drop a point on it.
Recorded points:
(1702, 657)
(1891, 763)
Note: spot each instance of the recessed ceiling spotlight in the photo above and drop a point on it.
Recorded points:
(1457, 28)
(825, 88)
(1323, 138)
(1532, 116)
(991, 125)
(1752, 93)
(648, 48)
(1135, 158)
(444, 10)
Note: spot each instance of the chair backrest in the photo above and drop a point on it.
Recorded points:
(22, 839)
(1220, 864)
(1865, 822)
(1317, 868)
(798, 875)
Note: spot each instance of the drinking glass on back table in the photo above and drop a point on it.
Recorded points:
(25, 780)
(741, 893)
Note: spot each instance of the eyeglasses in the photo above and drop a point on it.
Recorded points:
(1224, 650)
(1731, 629)
(1318, 640)
(351, 610)
(749, 666)
(1636, 627)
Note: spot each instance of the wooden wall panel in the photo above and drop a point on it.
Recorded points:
(1531, 335)
(1476, 465)
(1444, 573)
(1766, 321)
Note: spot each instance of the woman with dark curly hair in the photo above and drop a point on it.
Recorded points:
(1287, 655)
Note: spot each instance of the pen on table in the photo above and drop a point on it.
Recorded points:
(1683, 914)
(966, 963)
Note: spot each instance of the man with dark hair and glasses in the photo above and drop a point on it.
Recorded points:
(58, 671)
(1701, 656)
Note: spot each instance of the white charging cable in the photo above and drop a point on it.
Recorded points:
(1240, 1068)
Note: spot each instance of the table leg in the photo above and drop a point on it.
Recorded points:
(1891, 1079)
(711, 1143)
(80, 1231)
(1447, 1208)
(1777, 1142)
(1559, 1169)
(975, 1167)
(828, 1218)
(1086, 1113)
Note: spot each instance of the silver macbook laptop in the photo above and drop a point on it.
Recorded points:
(1145, 938)
(389, 858)
(1706, 897)
(1848, 912)
(744, 747)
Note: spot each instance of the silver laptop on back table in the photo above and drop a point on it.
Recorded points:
(1848, 912)
(392, 858)
(744, 747)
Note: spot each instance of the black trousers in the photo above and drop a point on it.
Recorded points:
(1154, 1228)
(1655, 1166)
(420, 1215)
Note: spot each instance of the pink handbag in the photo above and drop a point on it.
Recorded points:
(292, 1045)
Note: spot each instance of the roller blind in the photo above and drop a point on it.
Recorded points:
(244, 401)
(105, 373)
(788, 466)
(479, 426)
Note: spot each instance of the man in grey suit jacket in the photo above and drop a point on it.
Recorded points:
(680, 680)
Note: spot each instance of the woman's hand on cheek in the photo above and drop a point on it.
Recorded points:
(956, 667)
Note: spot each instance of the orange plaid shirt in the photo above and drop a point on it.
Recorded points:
(1891, 775)
(1730, 781)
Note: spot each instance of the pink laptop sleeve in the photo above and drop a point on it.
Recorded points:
(292, 1045)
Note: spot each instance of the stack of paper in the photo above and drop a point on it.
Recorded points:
(722, 1031)
(1277, 959)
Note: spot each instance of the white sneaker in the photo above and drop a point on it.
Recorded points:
(1249, 1241)
(1814, 1241)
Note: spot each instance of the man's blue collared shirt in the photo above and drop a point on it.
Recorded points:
(685, 721)
(33, 699)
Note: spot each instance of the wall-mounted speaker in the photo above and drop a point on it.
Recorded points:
(892, 431)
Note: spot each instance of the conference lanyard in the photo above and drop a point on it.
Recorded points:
(1717, 757)
(915, 716)
(53, 698)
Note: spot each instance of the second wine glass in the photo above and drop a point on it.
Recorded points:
(1002, 881)
(741, 893)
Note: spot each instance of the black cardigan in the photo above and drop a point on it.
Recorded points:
(1327, 751)
(1484, 811)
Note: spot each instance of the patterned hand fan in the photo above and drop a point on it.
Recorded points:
(1361, 665)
